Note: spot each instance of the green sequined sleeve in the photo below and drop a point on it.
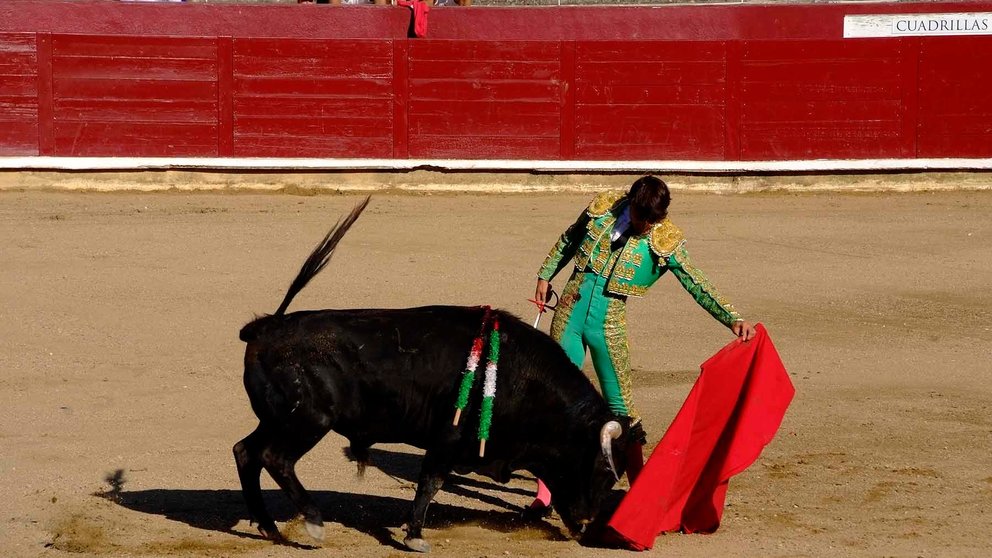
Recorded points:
(564, 250)
(700, 288)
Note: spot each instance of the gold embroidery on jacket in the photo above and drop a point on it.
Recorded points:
(603, 202)
(626, 268)
(598, 243)
(624, 272)
(586, 248)
(626, 289)
(551, 262)
(600, 262)
(665, 238)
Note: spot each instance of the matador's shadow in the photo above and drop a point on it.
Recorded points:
(222, 510)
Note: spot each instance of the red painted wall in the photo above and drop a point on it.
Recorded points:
(702, 82)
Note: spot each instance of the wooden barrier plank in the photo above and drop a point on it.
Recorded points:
(328, 98)
(144, 89)
(639, 72)
(508, 94)
(118, 68)
(400, 100)
(832, 99)
(135, 110)
(46, 96)
(674, 93)
(486, 147)
(18, 94)
(498, 119)
(147, 94)
(23, 86)
(467, 90)
(328, 128)
(733, 106)
(281, 145)
(18, 137)
(326, 87)
(485, 69)
(141, 139)
(567, 101)
(674, 131)
(639, 99)
(812, 140)
(125, 46)
(317, 49)
(840, 110)
(489, 50)
(649, 51)
(955, 97)
(225, 96)
(293, 106)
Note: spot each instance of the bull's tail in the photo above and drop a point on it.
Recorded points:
(321, 255)
(319, 258)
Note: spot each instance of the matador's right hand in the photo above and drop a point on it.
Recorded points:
(542, 292)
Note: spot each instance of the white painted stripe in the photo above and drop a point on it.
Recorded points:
(707, 167)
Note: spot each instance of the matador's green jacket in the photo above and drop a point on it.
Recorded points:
(641, 262)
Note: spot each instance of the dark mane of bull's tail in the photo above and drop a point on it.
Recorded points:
(314, 263)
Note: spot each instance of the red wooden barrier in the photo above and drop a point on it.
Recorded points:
(718, 83)
(18, 93)
(310, 98)
(955, 97)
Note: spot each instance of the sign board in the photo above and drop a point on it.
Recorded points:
(918, 25)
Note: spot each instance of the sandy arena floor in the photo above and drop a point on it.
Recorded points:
(119, 316)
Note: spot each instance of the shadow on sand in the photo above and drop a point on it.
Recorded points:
(405, 467)
(222, 510)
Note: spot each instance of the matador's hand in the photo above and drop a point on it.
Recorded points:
(541, 293)
(743, 330)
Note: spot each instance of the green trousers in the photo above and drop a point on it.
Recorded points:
(587, 317)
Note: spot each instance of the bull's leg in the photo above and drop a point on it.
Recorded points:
(279, 459)
(433, 474)
(248, 456)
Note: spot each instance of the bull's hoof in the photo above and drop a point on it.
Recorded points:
(532, 513)
(271, 532)
(417, 545)
(315, 530)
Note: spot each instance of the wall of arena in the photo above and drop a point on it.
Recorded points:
(728, 86)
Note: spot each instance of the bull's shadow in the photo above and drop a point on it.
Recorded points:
(222, 510)
(406, 467)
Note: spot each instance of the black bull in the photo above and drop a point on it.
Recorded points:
(392, 376)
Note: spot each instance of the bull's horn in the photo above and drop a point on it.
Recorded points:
(611, 431)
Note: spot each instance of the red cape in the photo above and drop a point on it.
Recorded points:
(732, 412)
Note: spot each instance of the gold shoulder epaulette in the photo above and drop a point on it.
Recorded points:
(665, 238)
(603, 202)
